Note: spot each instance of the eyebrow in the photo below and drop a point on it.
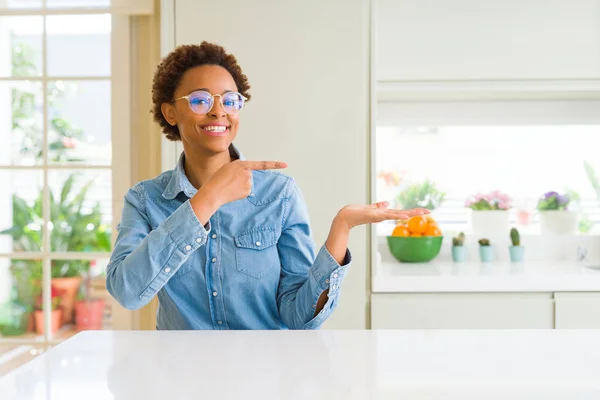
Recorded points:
(206, 90)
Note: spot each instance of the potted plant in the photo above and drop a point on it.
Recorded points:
(89, 311)
(555, 216)
(516, 251)
(459, 253)
(56, 313)
(486, 251)
(421, 195)
(489, 213)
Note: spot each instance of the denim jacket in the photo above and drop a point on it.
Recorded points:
(252, 266)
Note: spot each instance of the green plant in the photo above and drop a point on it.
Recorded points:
(494, 200)
(592, 178)
(554, 201)
(54, 300)
(515, 237)
(484, 242)
(459, 240)
(73, 229)
(421, 195)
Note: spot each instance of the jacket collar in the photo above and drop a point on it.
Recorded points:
(179, 182)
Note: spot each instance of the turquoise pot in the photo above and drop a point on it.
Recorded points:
(516, 253)
(459, 253)
(486, 253)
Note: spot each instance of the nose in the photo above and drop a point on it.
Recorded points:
(217, 110)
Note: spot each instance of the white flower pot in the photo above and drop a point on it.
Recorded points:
(489, 224)
(559, 222)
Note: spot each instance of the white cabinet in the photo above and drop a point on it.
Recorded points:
(462, 311)
(577, 310)
(433, 40)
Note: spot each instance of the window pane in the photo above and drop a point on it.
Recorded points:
(79, 301)
(20, 4)
(21, 46)
(81, 210)
(77, 3)
(21, 215)
(79, 122)
(20, 297)
(21, 123)
(79, 45)
(84, 300)
(523, 161)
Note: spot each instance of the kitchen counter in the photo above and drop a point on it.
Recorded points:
(516, 364)
(449, 277)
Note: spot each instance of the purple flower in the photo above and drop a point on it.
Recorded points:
(547, 195)
(562, 199)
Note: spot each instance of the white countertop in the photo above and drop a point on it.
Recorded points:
(172, 365)
(437, 277)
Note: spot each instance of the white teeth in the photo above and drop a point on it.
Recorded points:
(215, 128)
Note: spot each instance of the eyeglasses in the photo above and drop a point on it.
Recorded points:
(201, 102)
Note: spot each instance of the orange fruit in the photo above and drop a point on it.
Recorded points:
(432, 230)
(417, 224)
(415, 234)
(429, 218)
(400, 230)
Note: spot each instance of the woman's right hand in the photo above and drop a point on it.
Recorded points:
(231, 182)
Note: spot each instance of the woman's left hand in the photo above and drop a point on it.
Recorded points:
(355, 215)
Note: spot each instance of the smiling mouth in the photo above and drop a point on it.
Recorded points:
(215, 130)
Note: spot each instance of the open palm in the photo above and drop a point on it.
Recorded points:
(355, 215)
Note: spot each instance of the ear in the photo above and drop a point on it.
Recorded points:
(169, 112)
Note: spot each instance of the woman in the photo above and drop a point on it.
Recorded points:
(224, 242)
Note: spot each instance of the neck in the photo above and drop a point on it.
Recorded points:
(200, 166)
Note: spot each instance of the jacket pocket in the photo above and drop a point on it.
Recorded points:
(256, 253)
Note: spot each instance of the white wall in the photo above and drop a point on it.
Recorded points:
(308, 64)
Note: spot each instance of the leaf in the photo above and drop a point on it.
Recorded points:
(425, 195)
(66, 189)
(592, 178)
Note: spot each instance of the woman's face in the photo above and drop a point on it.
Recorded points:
(214, 131)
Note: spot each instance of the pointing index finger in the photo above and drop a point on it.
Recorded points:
(262, 165)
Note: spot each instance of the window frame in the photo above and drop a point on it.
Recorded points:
(120, 166)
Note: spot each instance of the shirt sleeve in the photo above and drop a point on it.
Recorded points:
(304, 274)
(144, 259)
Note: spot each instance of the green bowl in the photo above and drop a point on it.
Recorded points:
(415, 249)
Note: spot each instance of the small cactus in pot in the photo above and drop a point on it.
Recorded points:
(516, 251)
(459, 251)
(486, 250)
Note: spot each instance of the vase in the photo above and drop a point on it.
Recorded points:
(516, 253)
(89, 314)
(55, 321)
(68, 288)
(489, 224)
(559, 222)
(459, 253)
(486, 253)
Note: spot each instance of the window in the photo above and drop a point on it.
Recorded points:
(64, 101)
(521, 148)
